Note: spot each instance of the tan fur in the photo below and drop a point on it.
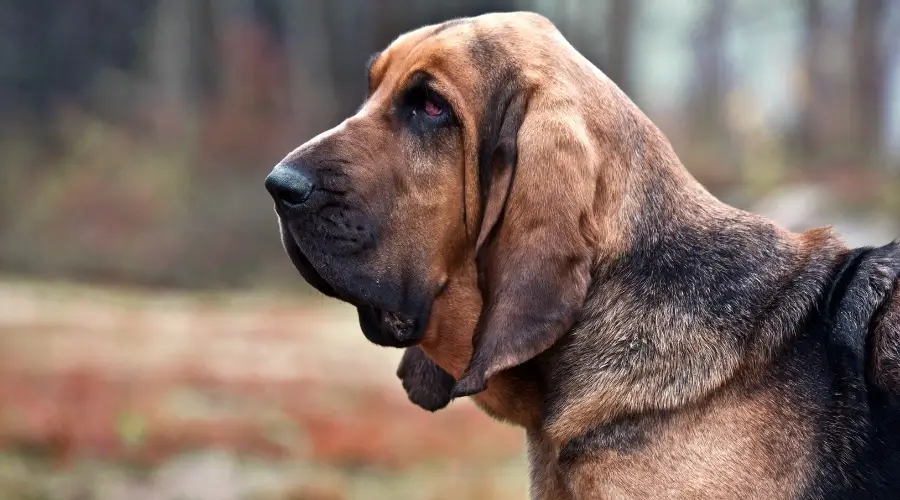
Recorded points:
(547, 481)
(579, 119)
(736, 448)
(615, 394)
(593, 177)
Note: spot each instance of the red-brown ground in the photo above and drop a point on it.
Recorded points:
(283, 386)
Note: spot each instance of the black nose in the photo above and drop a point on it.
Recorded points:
(290, 184)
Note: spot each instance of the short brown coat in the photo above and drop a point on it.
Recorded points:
(543, 251)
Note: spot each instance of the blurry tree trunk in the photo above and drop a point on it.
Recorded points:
(813, 91)
(351, 31)
(842, 98)
(710, 88)
(869, 75)
(224, 14)
(620, 23)
(171, 64)
(892, 73)
(709, 65)
(313, 101)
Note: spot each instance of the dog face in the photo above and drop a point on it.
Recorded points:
(455, 208)
(369, 210)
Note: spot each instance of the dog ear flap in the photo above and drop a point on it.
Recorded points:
(533, 258)
(497, 164)
(427, 385)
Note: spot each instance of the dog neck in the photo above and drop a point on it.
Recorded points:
(693, 293)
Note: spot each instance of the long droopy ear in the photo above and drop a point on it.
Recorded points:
(533, 255)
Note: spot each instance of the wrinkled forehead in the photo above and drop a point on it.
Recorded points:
(459, 46)
(441, 49)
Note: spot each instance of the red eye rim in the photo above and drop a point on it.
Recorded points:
(432, 109)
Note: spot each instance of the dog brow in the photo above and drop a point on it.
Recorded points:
(369, 63)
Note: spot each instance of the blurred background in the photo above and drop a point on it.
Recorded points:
(155, 342)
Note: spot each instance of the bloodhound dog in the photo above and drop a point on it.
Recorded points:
(502, 211)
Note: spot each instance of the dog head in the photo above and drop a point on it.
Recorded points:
(457, 209)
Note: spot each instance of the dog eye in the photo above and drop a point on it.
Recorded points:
(423, 102)
(432, 109)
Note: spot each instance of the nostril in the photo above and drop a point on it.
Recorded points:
(290, 185)
(293, 197)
